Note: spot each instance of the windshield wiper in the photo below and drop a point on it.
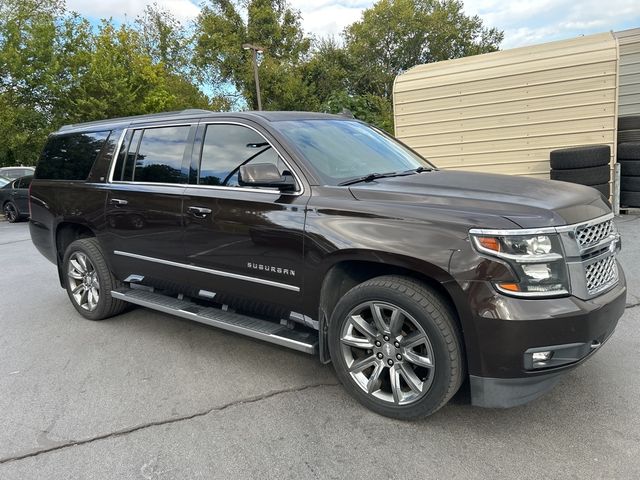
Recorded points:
(418, 170)
(374, 176)
(369, 178)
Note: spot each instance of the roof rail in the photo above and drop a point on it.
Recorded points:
(188, 111)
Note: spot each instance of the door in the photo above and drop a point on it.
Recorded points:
(241, 241)
(20, 194)
(143, 214)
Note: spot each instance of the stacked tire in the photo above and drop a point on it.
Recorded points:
(588, 165)
(629, 160)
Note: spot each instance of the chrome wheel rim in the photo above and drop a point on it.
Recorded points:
(10, 212)
(83, 281)
(387, 353)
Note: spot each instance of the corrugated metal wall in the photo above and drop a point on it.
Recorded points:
(503, 112)
(629, 82)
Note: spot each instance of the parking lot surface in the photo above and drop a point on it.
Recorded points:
(149, 396)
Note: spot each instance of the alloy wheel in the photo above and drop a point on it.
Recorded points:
(83, 281)
(387, 353)
(10, 212)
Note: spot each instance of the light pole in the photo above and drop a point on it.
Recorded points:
(255, 50)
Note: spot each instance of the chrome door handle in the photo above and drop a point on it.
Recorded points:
(117, 202)
(199, 212)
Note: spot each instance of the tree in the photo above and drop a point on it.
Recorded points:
(122, 79)
(391, 37)
(37, 52)
(225, 25)
(165, 39)
(394, 35)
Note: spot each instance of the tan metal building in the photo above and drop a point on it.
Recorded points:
(629, 79)
(503, 112)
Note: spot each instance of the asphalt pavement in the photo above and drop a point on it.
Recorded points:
(149, 396)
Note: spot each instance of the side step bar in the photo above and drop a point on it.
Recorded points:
(306, 342)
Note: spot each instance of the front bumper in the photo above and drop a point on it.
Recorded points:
(505, 328)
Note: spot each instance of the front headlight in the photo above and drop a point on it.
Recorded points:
(537, 261)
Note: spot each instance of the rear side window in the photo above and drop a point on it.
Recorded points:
(154, 155)
(25, 182)
(70, 157)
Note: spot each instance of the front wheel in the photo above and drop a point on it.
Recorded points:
(89, 281)
(396, 347)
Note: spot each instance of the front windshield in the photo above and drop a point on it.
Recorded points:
(4, 181)
(341, 150)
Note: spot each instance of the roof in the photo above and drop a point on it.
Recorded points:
(268, 116)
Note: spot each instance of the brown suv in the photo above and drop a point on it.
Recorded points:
(325, 235)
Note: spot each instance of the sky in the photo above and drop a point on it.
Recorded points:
(524, 22)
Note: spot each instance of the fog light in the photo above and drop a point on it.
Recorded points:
(539, 358)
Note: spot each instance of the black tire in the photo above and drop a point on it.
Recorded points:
(106, 306)
(431, 316)
(625, 136)
(583, 176)
(580, 157)
(630, 168)
(629, 199)
(11, 212)
(629, 151)
(630, 184)
(603, 189)
(632, 122)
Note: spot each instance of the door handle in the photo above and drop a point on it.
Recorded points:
(199, 212)
(117, 202)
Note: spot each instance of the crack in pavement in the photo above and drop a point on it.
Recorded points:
(126, 431)
(15, 241)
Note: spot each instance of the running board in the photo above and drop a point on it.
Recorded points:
(306, 342)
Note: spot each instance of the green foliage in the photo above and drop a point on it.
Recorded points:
(224, 26)
(394, 35)
(56, 69)
(391, 37)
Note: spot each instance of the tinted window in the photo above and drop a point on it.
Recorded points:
(227, 147)
(24, 182)
(343, 149)
(155, 155)
(126, 158)
(70, 157)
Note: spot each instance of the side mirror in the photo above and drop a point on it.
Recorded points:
(265, 175)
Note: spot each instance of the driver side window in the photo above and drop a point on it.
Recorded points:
(227, 147)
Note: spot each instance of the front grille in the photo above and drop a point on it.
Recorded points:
(590, 249)
(601, 274)
(592, 234)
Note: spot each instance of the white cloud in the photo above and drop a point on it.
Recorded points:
(328, 18)
(528, 22)
(184, 10)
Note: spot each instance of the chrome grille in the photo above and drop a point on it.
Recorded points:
(592, 234)
(590, 249)
(601, 274)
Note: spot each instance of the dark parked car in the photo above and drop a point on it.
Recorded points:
(14, 198)
(325, 235)
(15, 172)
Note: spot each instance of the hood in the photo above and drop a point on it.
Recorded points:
(528, 202)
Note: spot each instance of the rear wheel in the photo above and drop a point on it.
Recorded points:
(396, 347)
(89, 281)
(11, 212)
